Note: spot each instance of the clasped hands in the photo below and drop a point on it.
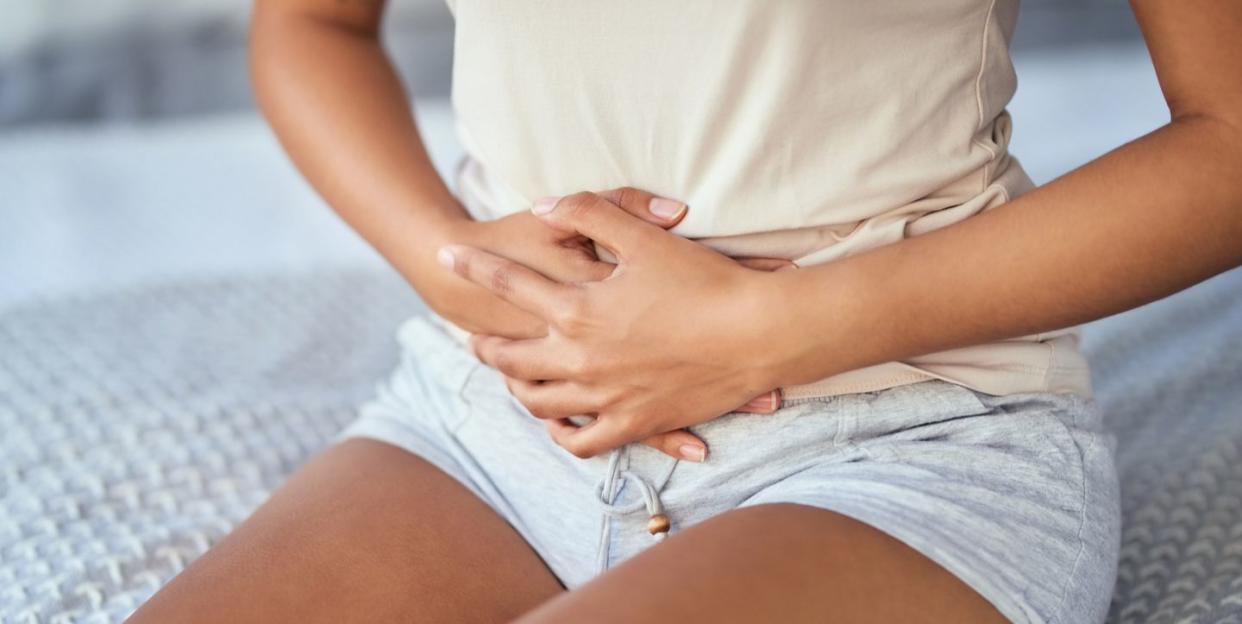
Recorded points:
(671, 335)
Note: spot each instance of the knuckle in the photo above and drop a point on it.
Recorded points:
(628, 196)
(611, 396)
(571, 313)
(579, 204)
(463, 264)
(516, 388)
(580, 364)
(501, 279)
(578, 449)
(629, 423)
(503, 362)
(537, 410)
(567, 320)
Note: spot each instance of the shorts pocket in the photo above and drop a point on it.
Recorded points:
(879, 422)
(434, 372)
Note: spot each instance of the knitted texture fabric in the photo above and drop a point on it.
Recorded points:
(138, 427)
(1169, 380)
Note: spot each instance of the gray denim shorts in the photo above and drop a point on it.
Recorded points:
(1016, 495)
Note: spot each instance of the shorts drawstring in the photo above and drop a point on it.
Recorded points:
(606, 494)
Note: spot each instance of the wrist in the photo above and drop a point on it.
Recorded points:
(766, 347)
(802, 320)
(410, 242)
(449, 227)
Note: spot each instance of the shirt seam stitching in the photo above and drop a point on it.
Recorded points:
(983, 60)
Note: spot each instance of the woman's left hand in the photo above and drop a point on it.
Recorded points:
(672, 338)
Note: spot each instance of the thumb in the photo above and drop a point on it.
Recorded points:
(679, 444)
(649, 207)
(600, 220)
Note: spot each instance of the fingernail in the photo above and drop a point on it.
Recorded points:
(445, 257)
(544, 205)
(665, 208)
(765, 402)
(692, 452)
(787, 267)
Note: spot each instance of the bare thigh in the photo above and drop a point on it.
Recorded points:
(774, 563)
(364, 532)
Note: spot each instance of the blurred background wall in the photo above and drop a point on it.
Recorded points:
(131, 152)
(124, 59)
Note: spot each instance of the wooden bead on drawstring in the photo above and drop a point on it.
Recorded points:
(658, 524)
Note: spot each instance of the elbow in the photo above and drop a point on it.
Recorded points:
(1224, 115)
(1226, 122)
(1219, 136)
(1215, 148)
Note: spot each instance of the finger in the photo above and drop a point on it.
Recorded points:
(600, 220)
(765, 403)
(767, 264)
(597, 436)
(649, 207)
(500, 318)
(554, 399)
(532, 359)
(510, 281)
(587, 266)
(644, 205)
(680, 444)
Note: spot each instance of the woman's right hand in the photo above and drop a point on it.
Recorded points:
(524, 238)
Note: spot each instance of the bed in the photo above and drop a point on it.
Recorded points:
(182, 324)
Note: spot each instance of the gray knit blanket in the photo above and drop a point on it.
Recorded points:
(138, 427)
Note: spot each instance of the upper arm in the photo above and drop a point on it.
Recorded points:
(363, 16)
(1196, 46)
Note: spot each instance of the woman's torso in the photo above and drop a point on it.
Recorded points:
(804, 129)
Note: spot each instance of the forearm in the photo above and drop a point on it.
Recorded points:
(1142, 222)
(337, 106)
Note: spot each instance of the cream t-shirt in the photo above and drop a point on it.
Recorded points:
(801, 129)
